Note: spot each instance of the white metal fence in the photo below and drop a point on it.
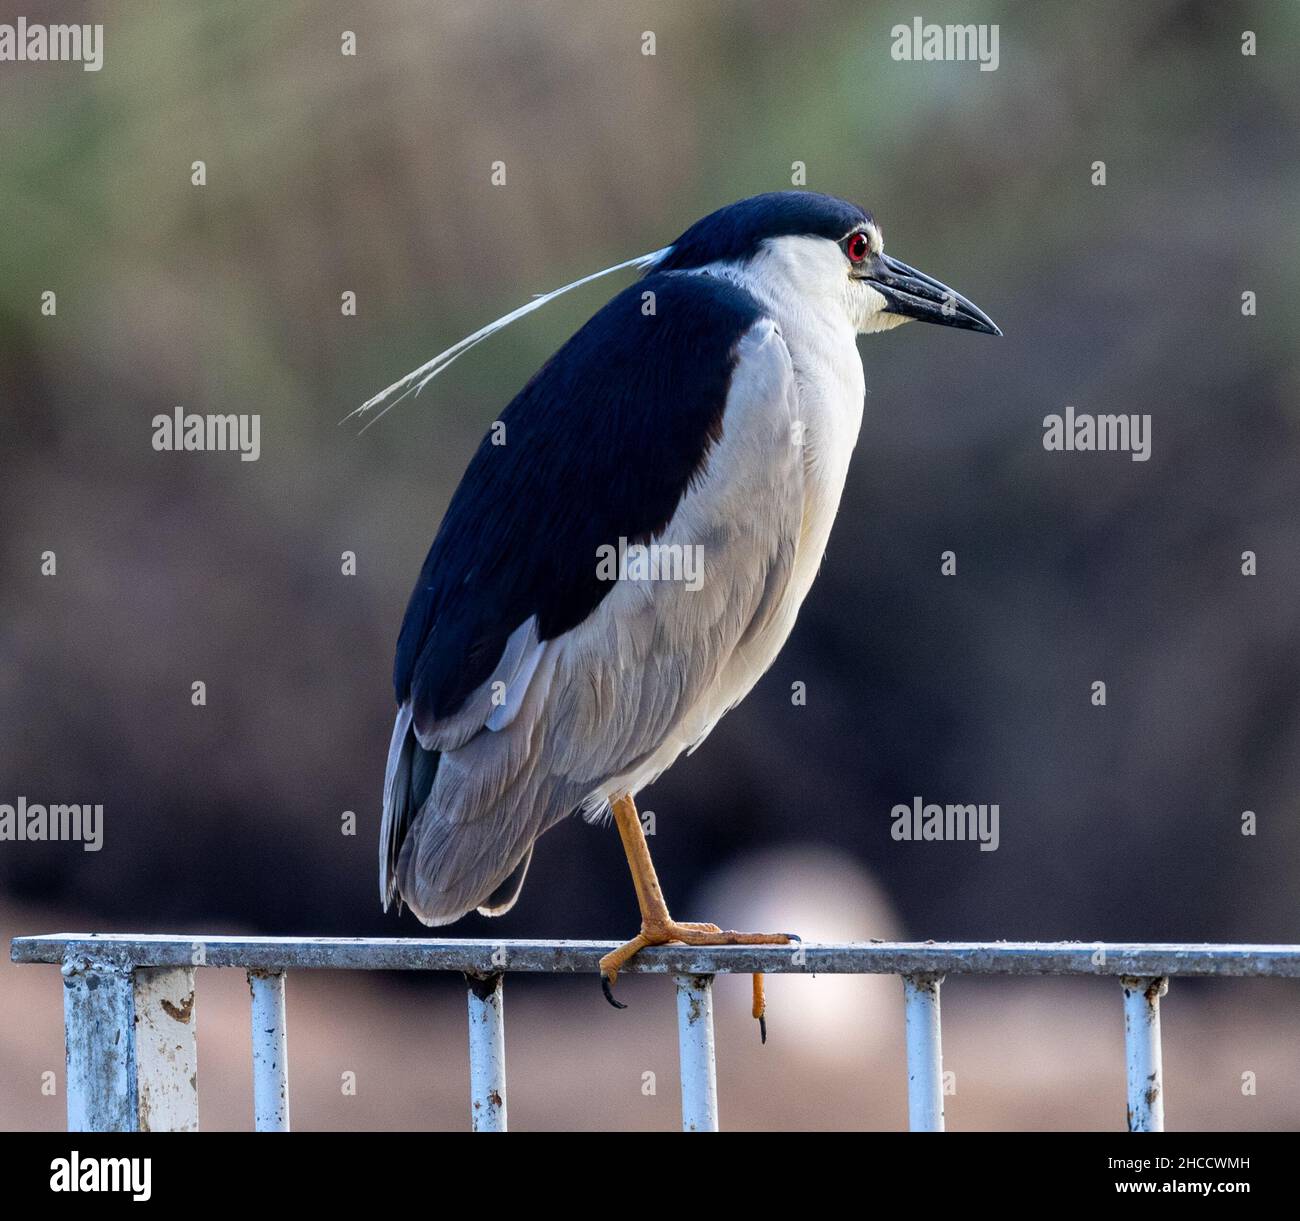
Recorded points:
(129, 1008)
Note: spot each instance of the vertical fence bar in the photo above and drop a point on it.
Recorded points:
(695, 1044)
(166, 1049)
(132, 1055)
(487, 1054)
(270, 1052)
(1142, 1057)
(99, 1026)
(924, 1052)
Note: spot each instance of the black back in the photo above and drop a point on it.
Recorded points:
(600, 444)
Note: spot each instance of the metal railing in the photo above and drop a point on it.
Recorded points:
(132, 1055)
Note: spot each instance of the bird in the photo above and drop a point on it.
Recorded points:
(629, 547)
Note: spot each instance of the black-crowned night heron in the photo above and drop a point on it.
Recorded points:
(629, 547)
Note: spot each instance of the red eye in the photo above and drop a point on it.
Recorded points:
(858, 248)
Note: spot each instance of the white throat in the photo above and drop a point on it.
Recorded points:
(820, 332)
(801, 284)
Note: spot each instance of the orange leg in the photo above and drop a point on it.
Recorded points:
(657, 926)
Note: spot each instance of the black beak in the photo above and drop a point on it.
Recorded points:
(913, 294)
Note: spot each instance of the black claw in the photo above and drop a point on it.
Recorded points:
(609, 993)
(762, 1029)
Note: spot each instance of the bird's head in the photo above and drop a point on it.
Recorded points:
(800, 247)
(815, 247)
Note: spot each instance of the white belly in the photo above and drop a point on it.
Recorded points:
(830, 391)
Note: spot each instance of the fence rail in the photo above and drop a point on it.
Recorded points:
(129, 1008)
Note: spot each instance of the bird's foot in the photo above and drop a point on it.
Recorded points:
(662, 932)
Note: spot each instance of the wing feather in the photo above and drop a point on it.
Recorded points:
(674, 427)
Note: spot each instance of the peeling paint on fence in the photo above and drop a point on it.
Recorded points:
(1142, 1054)
(166, 1049)
(130, 1013)
(696, 1053)
(487, 1054)
(270, 1051)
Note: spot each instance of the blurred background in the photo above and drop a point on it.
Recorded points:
(372, 174)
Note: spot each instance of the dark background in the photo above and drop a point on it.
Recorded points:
(372, 174)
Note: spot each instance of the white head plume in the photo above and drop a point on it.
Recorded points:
(417, 379)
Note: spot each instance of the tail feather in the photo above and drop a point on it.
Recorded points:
(408, 780)
(459, 824)
(506, 895)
